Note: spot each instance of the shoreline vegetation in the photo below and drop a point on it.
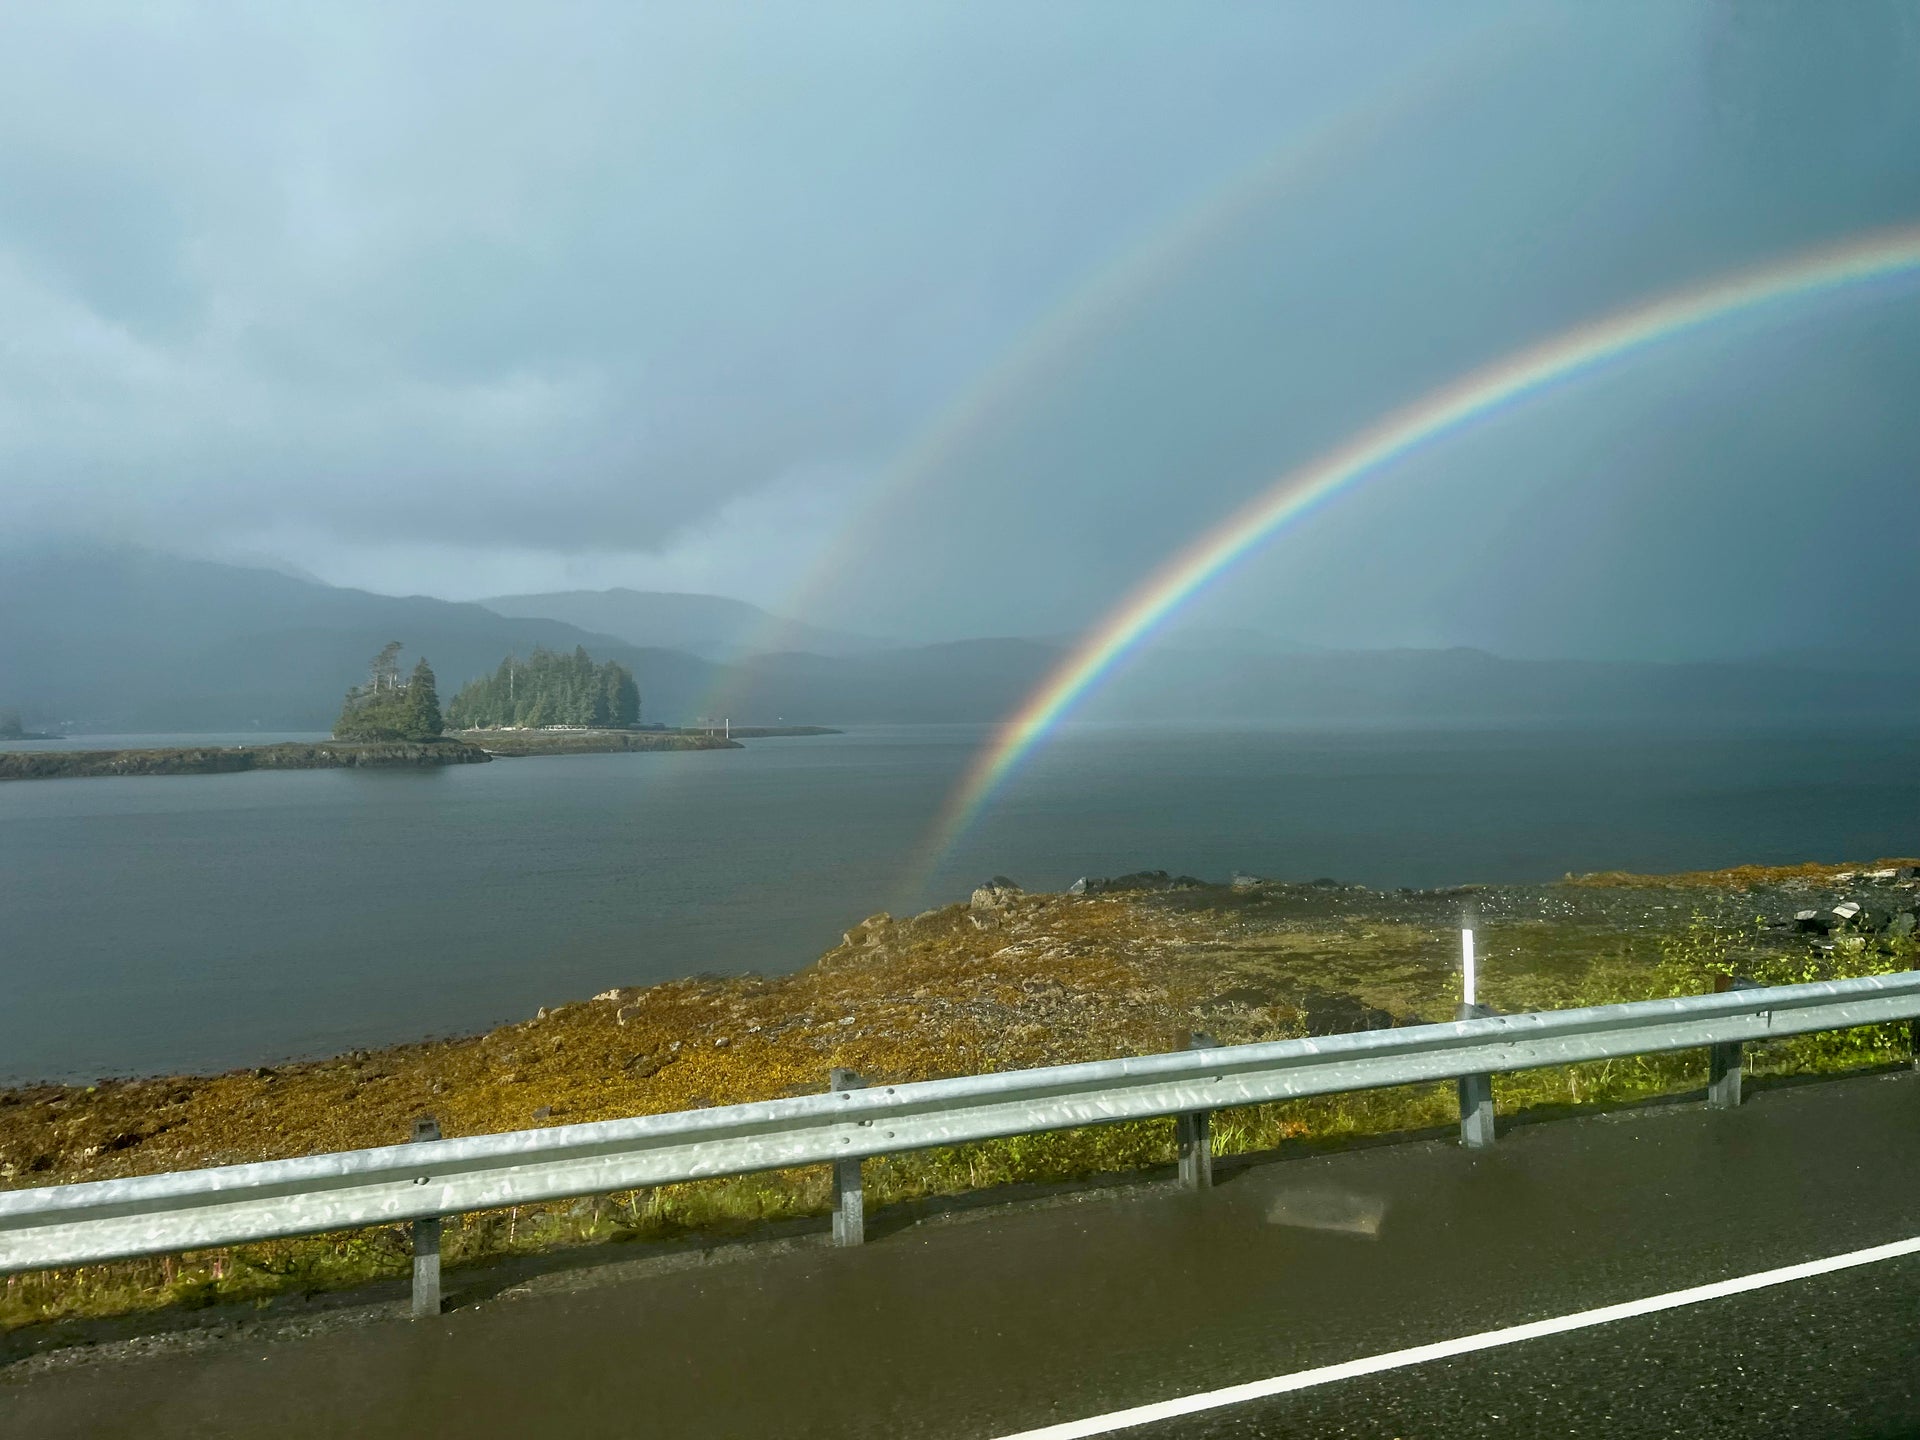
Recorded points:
(1008, 980)
(549, 689)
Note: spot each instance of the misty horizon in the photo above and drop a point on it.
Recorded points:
(764, 632)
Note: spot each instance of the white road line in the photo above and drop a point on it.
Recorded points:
(1465, 1345)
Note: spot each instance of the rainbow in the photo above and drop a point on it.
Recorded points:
(1091, 308)
(1436, 416)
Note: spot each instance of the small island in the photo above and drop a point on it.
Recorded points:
(554, 704)
(388, 723)
(547, 704)
(12, 728)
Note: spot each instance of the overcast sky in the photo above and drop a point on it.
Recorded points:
(944, 320)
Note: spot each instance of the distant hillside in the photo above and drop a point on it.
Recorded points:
(711, 626)
(121, 640)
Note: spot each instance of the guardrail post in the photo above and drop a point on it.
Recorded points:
(426, 1243)
(1724, 1060)
(849, 1190)
(1193, 1136)
(1476, 1094)
(1723, 1076)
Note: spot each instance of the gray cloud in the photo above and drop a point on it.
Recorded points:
(488, 297)
(569, 278)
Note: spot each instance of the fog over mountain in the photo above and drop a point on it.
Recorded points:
(112, 640)
(711, 626)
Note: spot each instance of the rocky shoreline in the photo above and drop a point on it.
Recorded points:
(230, 759)
(514, 744)
(462, 747)
(505, 743)
(1010, 979)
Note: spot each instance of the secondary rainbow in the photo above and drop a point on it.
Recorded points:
(1076, 321)
(1484, 392)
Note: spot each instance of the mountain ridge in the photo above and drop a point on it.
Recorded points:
(121, 640)
(714, 627)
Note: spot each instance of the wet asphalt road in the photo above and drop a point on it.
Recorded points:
(1009, 1319)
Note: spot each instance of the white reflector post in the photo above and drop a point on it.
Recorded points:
(1466, 966)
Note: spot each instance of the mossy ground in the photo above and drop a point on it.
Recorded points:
(1038, 980)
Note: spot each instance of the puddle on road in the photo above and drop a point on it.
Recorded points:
(1342, 1212)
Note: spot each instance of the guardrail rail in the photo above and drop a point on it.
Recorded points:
(425, 1180)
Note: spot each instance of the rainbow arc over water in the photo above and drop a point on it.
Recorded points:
(1880, 256)
(1081, 317)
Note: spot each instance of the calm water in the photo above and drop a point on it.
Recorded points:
(188, 922)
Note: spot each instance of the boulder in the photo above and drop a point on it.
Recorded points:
(1902, 926)
(1811, 922)
(997, 894)
(1242, 881)
(869, 931)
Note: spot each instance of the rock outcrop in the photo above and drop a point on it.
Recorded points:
(225, 760)
(996, 894)
(1138, 880)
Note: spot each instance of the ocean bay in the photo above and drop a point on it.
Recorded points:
(203, 922)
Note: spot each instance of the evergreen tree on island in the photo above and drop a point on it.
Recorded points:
(423, 704)
(548, 688)
(389, 708)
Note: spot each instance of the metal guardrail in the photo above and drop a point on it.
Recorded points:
(64, 1225)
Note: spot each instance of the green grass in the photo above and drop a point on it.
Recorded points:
(1590, 970)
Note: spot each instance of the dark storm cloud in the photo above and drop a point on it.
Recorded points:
(567, 277)
(471, 299)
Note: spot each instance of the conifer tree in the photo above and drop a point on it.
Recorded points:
(423, 720)
(548, 689)
(386, 708)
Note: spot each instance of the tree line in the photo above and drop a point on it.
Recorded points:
(548, 689)
(389, 708)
